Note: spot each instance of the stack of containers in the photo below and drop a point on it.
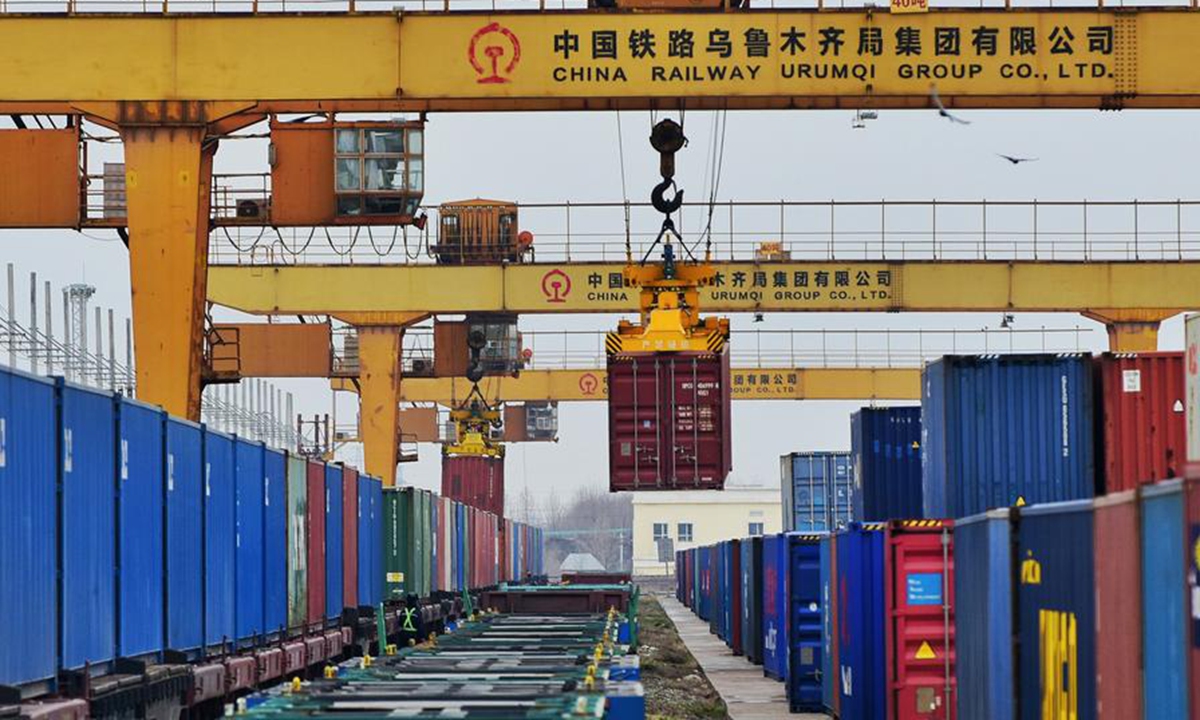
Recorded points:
(885, 447)
(816, 489)
(1007, 430)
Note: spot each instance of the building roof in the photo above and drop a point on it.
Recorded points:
(730, 496)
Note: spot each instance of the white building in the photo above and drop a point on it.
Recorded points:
(699, 517)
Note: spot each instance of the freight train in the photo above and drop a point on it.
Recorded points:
(132, 541)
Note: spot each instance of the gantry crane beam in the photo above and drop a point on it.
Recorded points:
(601, 59)
(1129, 297)
(747, 383)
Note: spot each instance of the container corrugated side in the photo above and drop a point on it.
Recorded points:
(297, 541)
(862, 672)
(829, 659)
(1056, 601)
(885, 447)
(669, 421)
(248, 609)
(275, 543)
(752, 596)
(366, 531)
(1165, 638)
(88, 529)
(349, 537)
(185, 536)
(28, 537)
(775, 606)
(220, 539)
(475, 480)
(816, 491)
(377, 543)
(735, 596)
(998, 430)
(1141, 418)
(1191, 385)
(919, 574)
(315, 479)
(717, 616)
(141, 458)
(983, 616)
(806, 613)
(1118, 607)
(1192, 539)
(396, 541)
(334, 537)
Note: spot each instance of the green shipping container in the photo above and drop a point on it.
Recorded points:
(397, 510)
(297, 542)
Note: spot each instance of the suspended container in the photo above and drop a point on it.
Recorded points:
(315, 518)
(220, 541)
(806, 610)
(1165, 562)
(885, 445)
(184, 534)
(334, 539)
(87, 441)
(669, 421)
(250, 483)
(141, 458)
(775, 606)
(1141, 418)
(475, 480)
(999, 431)
(862, 672)
(919, 574)
(1118, 542)
(275, 544)
(297, 541)
(816, 489)
(28, 529)
(983, 616)
(1056, 611)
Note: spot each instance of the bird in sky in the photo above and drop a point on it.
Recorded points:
(1016, 160)
(942, 111)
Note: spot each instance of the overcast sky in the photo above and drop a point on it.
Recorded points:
(795, 155)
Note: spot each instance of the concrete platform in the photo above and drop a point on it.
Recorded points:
(747, 693)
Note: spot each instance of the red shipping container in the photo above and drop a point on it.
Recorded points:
(349, 536)
(919, 646)
(475, 481)
(1143, 420)
(669, 421)
(1118, 607)
(316, 544)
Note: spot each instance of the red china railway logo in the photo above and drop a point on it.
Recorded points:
(588, 383)
(494, 53)
(556, 286)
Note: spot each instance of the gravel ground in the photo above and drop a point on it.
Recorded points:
(676, 688)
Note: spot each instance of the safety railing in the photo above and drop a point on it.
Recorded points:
(747, 231)
(823, 348)
(159, 7)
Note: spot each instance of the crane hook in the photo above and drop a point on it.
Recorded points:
(659, 201)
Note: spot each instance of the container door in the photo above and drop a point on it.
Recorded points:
(862, 670)
(251, 482)
(28, 525)
(1163, 565)
(805, 622)
(185, 536)
(220, 537)
(334, 539)
(275, 542)
(141, 458)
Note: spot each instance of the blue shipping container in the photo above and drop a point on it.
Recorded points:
(248, 610)
(185, 536)
(885, 444)
(460, 547)
(983, 619)
(861, 675)
(997, 430)
(805, 661)
(28, 540)
(717, 614)
(775, 606)
(220, 539)
(141, 458)
(828, 634)
(1164, 628)
(1056, 599)
(333, 541)
(366, 533)
(275, 597)
(751, 587)
(704, 571)
(88, 530)
(816, 489)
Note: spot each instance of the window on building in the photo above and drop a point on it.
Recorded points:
(660, 531)
(685, 532)
(756, 529)
(378, 171)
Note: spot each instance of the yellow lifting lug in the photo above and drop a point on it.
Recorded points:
(390, 649)
(297, 684)
(330, 672)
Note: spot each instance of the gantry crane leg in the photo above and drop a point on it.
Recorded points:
(1131, 331)
(380, 341)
